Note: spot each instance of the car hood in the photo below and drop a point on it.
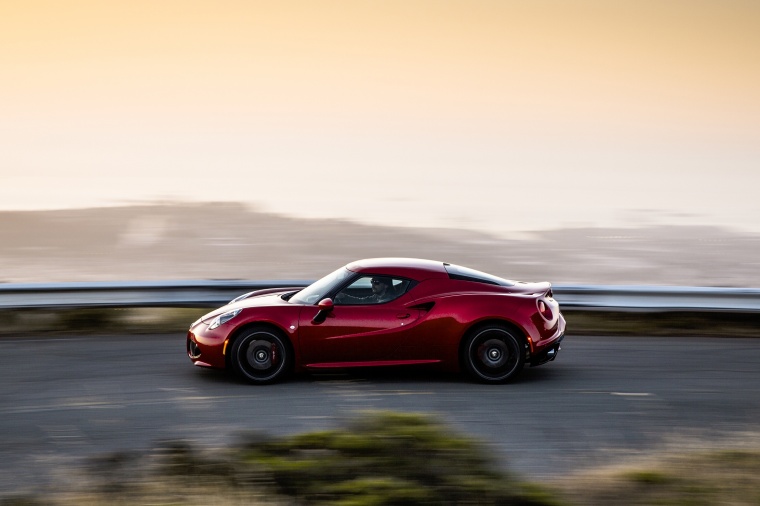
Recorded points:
(264, 299)
(268, 299)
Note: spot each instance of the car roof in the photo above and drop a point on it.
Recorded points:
(414, 268)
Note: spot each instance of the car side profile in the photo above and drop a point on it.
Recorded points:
(384, 312)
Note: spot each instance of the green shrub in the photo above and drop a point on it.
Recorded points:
(648, 477)
(388, 458)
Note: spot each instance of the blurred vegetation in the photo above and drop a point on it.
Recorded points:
(380, 459)
(674, 324)
(98, 320)
(730, 477)
(390, 459)
(387, 458)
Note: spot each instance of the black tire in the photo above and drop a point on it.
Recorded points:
(260, 356)
(493, 354)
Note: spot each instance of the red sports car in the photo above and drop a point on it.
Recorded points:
(384, 312)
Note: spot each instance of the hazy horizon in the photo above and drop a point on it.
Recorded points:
(628, 220)
(229, 241)
(498, 116)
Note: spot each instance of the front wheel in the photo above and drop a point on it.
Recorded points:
(260, 356)
(493, 354)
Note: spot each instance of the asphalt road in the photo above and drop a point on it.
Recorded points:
(602, 400)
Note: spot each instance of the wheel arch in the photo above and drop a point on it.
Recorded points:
(508, 324)
(242, 329)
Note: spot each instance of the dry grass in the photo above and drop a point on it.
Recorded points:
(726, 477)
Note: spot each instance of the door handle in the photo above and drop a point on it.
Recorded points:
(402, 315)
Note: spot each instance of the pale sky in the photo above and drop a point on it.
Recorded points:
(494, 115)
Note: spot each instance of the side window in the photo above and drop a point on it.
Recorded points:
(467, 274)
(372, 290)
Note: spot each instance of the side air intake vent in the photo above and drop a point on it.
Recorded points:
(425, 306)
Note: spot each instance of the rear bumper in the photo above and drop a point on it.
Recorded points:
(547, 349)
(548, 354)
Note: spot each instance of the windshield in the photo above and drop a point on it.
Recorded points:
(316, 291)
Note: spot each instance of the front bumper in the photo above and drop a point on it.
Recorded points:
(206, 348)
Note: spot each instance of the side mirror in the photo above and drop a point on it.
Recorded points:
(325, 306)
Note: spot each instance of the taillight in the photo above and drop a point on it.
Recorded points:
(544, 309)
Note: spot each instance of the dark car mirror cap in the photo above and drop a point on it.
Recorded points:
(326, 304)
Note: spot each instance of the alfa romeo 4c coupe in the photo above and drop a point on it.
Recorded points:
(384, 312)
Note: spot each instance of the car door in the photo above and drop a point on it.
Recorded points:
(363, 332)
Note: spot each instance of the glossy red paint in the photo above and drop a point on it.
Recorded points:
(433, 323)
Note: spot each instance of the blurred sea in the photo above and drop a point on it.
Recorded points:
(232, 241)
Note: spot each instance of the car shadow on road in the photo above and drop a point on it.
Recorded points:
(388, 375)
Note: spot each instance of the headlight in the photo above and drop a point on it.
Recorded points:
(223, 318)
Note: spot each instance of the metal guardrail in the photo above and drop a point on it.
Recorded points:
(130, 293)
(216, 293)
(657, 298)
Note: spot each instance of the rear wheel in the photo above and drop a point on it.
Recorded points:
(493, 354)
(261, 356)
